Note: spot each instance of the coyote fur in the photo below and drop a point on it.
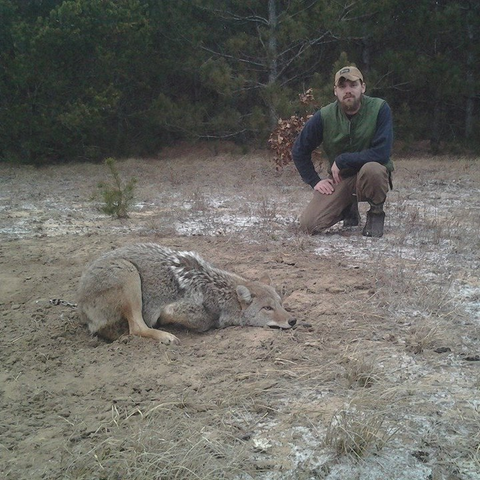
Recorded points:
(142, 286)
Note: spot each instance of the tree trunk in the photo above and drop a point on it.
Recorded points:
(470, 83)
(435, 132)
(272, 57)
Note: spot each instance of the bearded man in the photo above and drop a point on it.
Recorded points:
(356, 133)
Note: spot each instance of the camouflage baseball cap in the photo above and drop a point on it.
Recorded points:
(349, 73)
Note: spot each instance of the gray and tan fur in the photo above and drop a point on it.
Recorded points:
(141, 286)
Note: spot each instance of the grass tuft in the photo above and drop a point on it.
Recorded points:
(356, 433)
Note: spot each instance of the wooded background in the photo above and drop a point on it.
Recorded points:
(86, 79)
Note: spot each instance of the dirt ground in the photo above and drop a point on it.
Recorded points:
(380, 378)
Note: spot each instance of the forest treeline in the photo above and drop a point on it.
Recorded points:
(86, 79)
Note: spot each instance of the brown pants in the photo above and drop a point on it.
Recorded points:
(369, 184)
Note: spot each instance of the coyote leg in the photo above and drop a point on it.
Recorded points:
(138, 327)
(187, 314)
(132, 311)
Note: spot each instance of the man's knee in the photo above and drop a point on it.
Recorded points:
(306, 224)
(375, 170)
(312, 222)
(372, 182)
(323, 211)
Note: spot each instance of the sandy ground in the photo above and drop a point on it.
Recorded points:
(386, 351)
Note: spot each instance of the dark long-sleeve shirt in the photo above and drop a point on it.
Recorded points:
(312, 136)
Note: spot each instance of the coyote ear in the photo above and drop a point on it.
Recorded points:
(266, 279)
(244, 295)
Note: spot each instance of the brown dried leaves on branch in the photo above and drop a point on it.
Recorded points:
(281, 140)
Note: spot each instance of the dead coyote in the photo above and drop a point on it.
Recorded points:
(149, 285)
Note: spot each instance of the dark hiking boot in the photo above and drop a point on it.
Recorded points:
(351, 217)
(375, 221)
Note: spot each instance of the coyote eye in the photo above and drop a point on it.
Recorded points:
(268, 307)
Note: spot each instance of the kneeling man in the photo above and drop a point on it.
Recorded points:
(356, 134)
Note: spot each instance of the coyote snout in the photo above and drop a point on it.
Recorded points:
(146, 285)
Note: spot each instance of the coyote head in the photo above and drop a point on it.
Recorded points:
(262, 306)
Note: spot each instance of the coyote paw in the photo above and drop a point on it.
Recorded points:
(168, 338)
(158, 335)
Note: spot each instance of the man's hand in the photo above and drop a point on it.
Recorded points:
(336, 174)
(325, 186)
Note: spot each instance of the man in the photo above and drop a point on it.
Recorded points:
(356, 134)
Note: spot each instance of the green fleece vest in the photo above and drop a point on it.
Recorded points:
(341, 135)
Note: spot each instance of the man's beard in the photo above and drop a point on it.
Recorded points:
(352, 106)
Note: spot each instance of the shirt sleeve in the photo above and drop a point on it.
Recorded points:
(307, 141)
(380, 149)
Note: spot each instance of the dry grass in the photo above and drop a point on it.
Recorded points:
(194, 438)
(357, 433)
(365, 373)
(424, 337)
(360, 370)
(166, 446)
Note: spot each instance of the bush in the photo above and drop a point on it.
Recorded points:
(116, 196)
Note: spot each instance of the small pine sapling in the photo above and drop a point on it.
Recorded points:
(117, 197)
